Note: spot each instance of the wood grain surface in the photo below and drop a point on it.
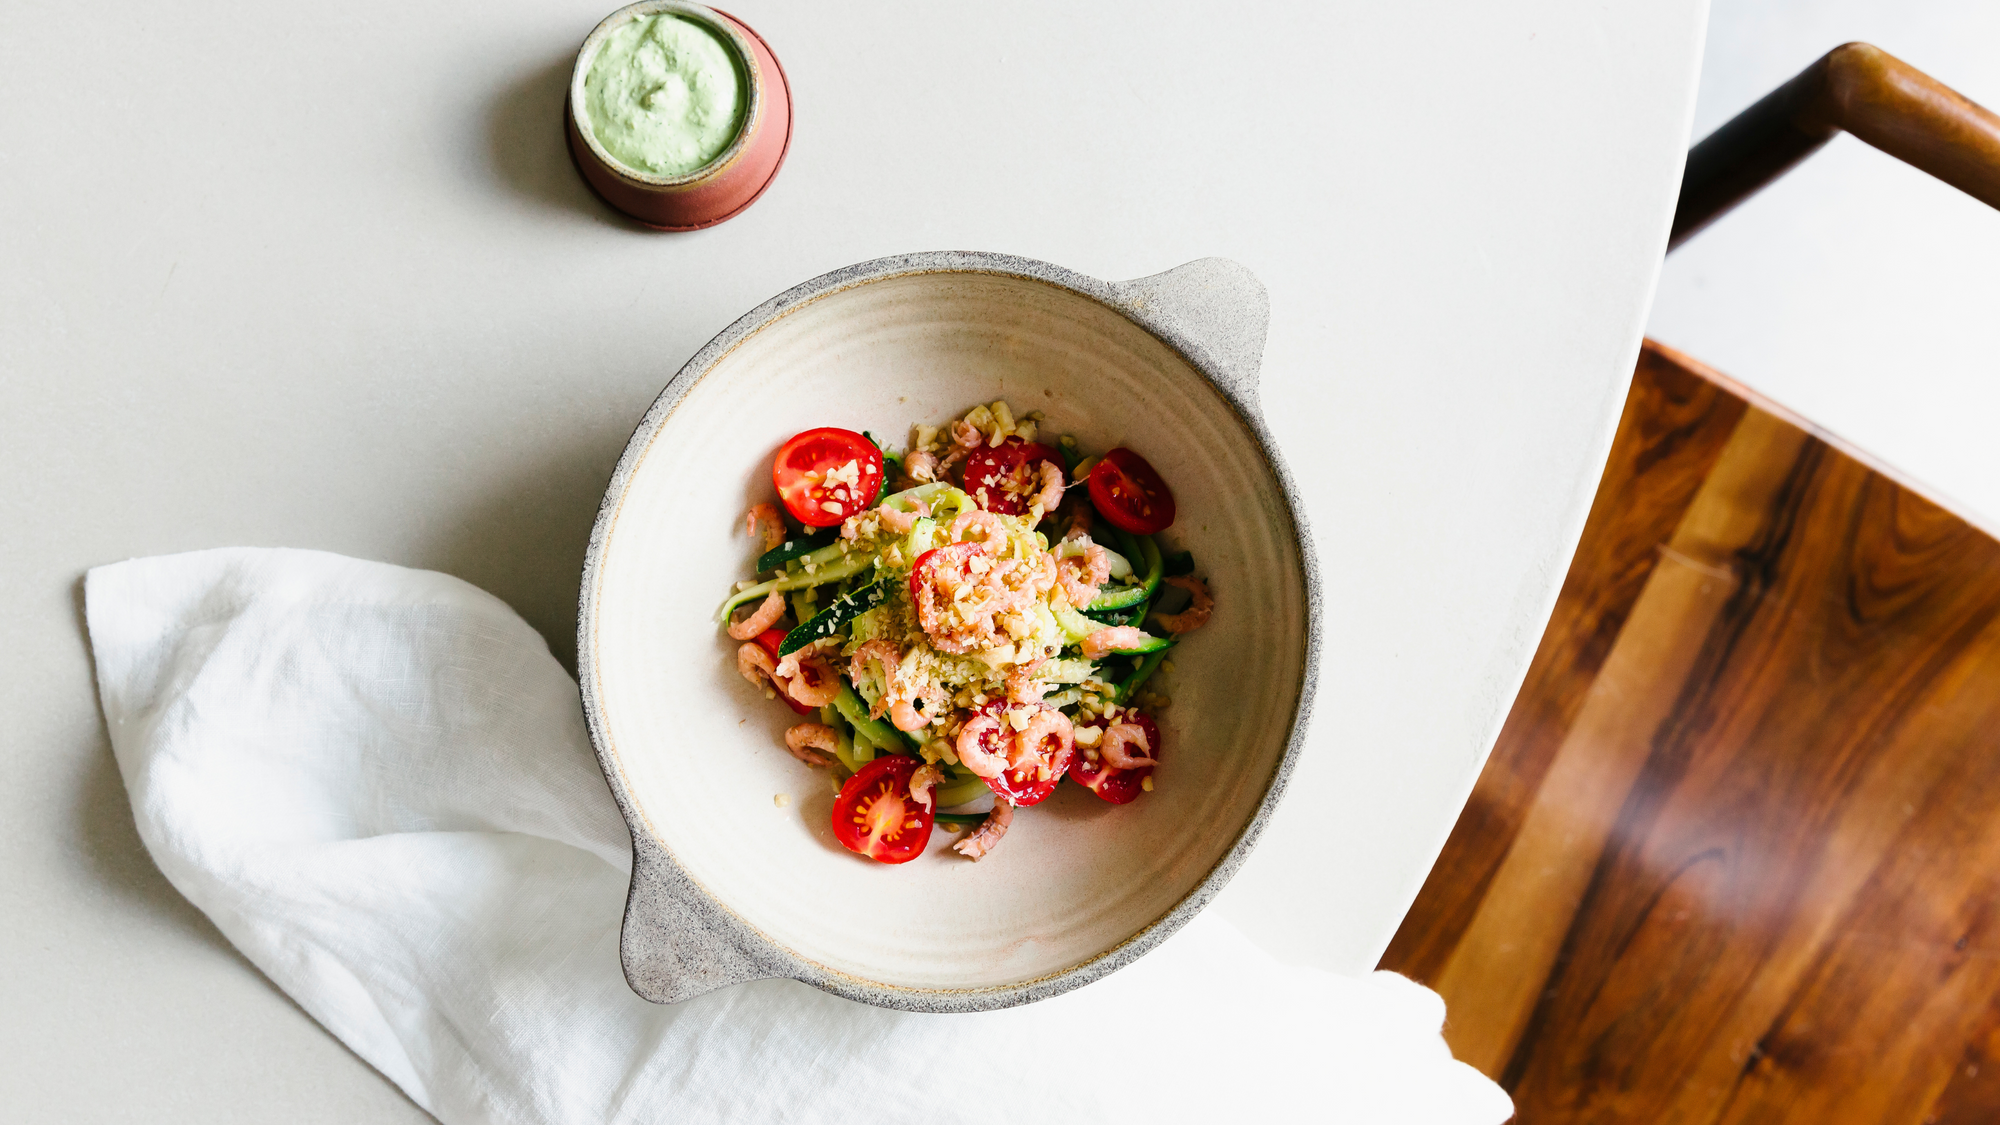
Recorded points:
(1736, 855)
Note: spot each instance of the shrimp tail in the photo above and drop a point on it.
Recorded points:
(1097, 645)
(765, 514)
(812, 743)
(1119, 736)
(982, 840)
(760, 619)
(972, 751)
(921, 783)
(1051, 493)
(1196, 614)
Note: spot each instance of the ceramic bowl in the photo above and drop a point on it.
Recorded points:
(729, 885)
(720, 189)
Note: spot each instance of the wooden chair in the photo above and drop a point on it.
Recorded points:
(1736, 855)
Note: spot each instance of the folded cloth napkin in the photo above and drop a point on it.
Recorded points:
(376, 782)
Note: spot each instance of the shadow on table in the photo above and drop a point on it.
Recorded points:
(108, 838)
(524, 136)
(525, 542)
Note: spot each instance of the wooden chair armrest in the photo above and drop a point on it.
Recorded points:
(1863, 90)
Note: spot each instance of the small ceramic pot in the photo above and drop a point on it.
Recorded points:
(731, 885)
(723, 187)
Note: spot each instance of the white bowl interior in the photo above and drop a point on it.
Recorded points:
(700, 750)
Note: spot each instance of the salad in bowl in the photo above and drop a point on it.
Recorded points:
(981, 616)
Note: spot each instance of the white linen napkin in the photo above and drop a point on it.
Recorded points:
(376, 782)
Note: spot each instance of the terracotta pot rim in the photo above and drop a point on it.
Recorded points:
(732, 32)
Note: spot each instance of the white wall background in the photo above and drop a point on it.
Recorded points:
(1856, 290)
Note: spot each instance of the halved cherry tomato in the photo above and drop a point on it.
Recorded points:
(827, 475)
(1126, 491)
(876, 816)
(769, 640)
(1024, 784)
(1004, 477)
(1120, 787)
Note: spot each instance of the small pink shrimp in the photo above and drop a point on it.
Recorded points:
(1045, 576)
(1047, 724)
(927, 775)
(906, 717)
(1051, 494)
(1196, 614)
(1115, 639)
(1111, 748)
(987, 524)
(965, 437)
(922, 467)
(762, 618)
(884, 655)
(988, 834)
(896, 697)
(757, 666)
(902, 522)
(807, 678)
(774, 527)
(812, 743)
(1022, 686)
(1081, 575)
(971, 751)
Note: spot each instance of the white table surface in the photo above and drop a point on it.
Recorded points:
(323, 277)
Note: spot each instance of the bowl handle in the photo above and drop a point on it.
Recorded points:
(1217, 306)
(677, 942)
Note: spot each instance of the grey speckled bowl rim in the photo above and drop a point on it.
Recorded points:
(678, 941)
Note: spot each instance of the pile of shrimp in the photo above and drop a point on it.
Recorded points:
(985, 601)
